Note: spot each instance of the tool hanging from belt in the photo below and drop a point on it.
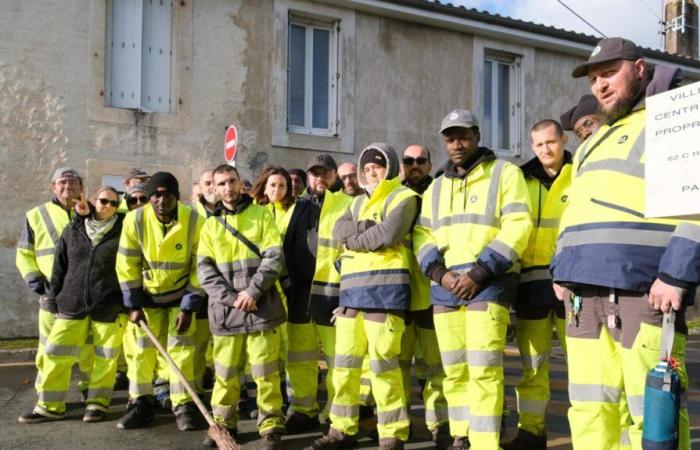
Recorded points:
(613, 311)
(576, 304)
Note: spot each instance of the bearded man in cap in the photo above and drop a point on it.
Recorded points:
(616, 271)
(157, 271)
(132, 178)
(474, 226)
(35, 255)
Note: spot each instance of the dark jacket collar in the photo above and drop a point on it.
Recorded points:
(243, 202)
(534, 169)
(482, 155)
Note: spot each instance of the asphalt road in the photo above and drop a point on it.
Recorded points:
(17, 396)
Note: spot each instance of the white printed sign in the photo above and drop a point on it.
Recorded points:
(672, 168)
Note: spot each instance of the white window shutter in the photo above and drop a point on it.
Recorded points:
(156, 55)
(125, 77)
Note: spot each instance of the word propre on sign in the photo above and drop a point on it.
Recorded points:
(672, 168)
(231, 145)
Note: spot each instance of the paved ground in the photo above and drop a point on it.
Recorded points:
(17, 396)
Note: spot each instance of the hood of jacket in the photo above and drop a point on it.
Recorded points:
(482, 155)
(392, 162)
(535, 169)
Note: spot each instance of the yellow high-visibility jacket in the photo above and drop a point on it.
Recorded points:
(483, 218)
(155, 267)
(604, 238)
(37, 243)
(547, 205)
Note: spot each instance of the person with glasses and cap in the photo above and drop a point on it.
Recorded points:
(474, 224)
(133, 177)
(135, 196)
(617, 271)
(582, 119)
(85, 296)
(157, 270)
(35, 254)
(375, 293)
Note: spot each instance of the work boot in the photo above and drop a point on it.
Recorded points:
(139, 413)
(334, 439)
(187, 417)
(211, 443)
(390, 444)
(94, 415)
(38, 416)
(526, 440)
(460, 443)
(299, 423)
(272, 440)
(121, 382)
(441, 437)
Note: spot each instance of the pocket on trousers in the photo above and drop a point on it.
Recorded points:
(648, 341)
(498, 313)
(389, 342)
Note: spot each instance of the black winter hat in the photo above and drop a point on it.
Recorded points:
(161, 180)
(373, 155)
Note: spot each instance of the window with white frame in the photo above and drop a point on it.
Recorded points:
(139, 48)
(312, 76)
(502, 115)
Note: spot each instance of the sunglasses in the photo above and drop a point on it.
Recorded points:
(137, 199)
(106, 201)
(408, 160)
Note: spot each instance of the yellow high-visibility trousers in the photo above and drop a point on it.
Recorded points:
(61, 352)
(261, 348)
(304, 342)
(202, 339)
(356, 337)
(181, 348)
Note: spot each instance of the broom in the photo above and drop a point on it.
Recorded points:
(218, 433)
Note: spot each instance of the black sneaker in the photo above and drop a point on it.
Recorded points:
(94, 415)
(299, 423)
(526, 440)
(460, 443)
(334, 439)
(211, 443)
(139, 413)
(35, 417)
(121, 382)
(187, 417)
(272, 440)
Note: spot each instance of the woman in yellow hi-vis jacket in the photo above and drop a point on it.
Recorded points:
(375, 292)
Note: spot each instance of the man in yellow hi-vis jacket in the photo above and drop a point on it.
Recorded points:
(474, 225)
(156, 268)
(240, 258)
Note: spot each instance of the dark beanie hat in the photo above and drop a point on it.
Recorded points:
(373, 155)
(163, 180)
(586, 106)
(300, 173)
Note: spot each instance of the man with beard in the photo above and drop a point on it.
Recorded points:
(617, 271)
(347, 172)
(206, 204)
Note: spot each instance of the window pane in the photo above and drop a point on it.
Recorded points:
(297, 74)
(156, 55)
(124, 90)
(488, 107)
(503, 106)
(320, 78)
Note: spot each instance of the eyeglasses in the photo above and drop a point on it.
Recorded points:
(106, 201)
(408, 160)
(137, 199)
(350, 176)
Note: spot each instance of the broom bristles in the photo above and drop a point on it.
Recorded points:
(223, 439)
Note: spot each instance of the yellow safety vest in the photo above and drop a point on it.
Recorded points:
(281, 216)
(35, 260)
(378, 279)
(484, 216)
(162, 264)
(604, 238)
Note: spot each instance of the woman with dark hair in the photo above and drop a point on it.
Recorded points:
(86, 298)
(274, 191)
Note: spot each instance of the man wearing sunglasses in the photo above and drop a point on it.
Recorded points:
(417, 167)
(133, 177)
(35, 252)
(157, 271)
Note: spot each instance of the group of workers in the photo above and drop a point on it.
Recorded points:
(381, 274)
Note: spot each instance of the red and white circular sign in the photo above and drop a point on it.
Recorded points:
(230, 143)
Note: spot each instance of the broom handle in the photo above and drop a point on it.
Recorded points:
(178, 372)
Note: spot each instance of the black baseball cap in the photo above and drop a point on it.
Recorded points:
(322, 160)
(608, 49)
(587, 105)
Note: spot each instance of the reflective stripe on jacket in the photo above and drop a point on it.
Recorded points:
(227, 266)
(604, 239)
(162, 265)
(37, 244)
(484, 216)
(547, 206)
(378, 279)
